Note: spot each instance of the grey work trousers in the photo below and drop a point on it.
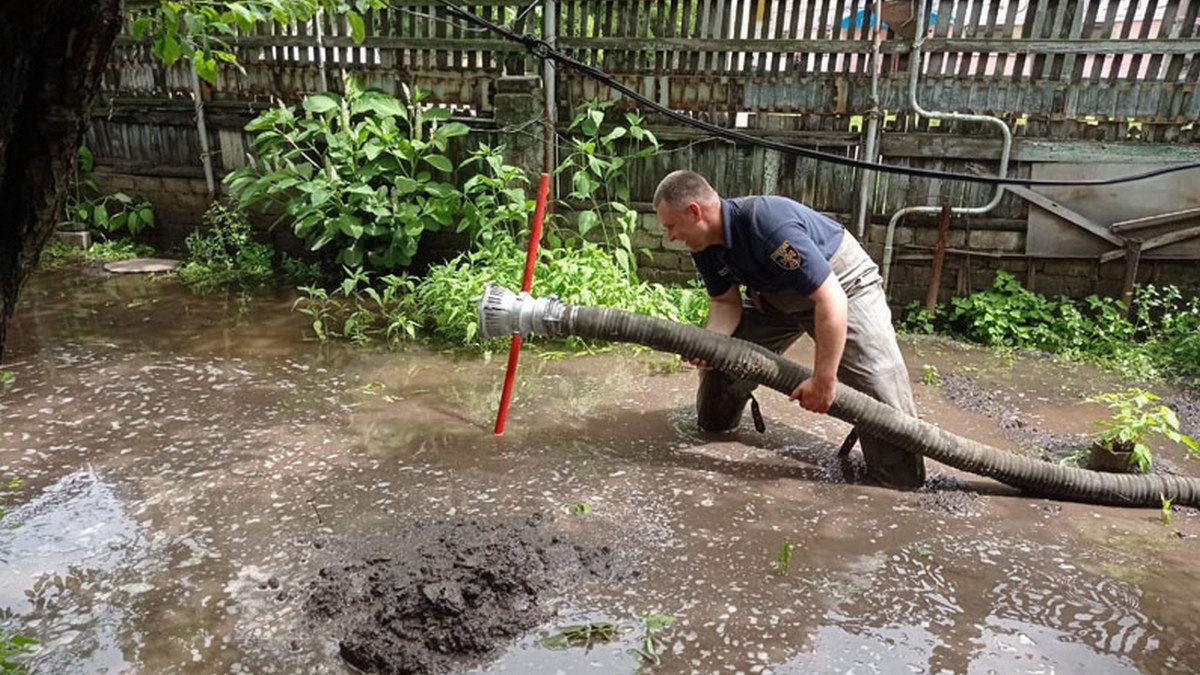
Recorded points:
(871, 361)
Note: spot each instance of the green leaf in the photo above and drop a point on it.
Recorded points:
(358, 31)
(613, 135)
(169, 50)
(439, 162)
(140, 26)
(206, 67)
(349, 225)
(436, 114)
(452, 130)
(320, 103)
(587, 220)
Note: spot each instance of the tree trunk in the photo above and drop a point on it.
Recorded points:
(52, 56)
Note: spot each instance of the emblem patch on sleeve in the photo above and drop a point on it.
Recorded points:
(786, 256)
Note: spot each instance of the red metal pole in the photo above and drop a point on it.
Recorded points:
(514, 350)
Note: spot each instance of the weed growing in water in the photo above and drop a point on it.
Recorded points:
(783, 557)
(6, 377)
(226, 253)
(583, 635)
(1166, 514)
(578, 508)
(653, 623)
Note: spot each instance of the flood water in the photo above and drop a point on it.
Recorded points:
(191, 463)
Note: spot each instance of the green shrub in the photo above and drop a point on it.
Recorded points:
(355, 172)
(225, 253)
(1161, 338)
(361, 308)
(104, 215)
(584, 275)
(118, 249)
(598, 170)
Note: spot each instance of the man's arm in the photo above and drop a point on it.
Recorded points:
(829, 316)
(725, 311)
(724, 315)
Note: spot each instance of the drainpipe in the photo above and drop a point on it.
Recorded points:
(869, 150)
(205, 155)
(550, 34)
(913, 73)
(318, 19)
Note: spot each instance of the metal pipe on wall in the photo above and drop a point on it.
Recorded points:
(202, 129)
(1005, 151)
(319, 19)
(872, 132)
(550, 34)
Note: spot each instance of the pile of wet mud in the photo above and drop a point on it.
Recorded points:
(453, 592)
(1186, 405)
(965, 392)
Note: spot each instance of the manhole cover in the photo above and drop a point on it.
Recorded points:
(141, 265)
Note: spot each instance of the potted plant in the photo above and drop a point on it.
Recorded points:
(1120, 446)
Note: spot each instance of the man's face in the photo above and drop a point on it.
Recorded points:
(683, 225)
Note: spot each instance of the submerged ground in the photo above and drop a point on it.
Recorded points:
(205, 491)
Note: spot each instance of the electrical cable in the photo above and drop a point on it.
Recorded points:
(542, 50)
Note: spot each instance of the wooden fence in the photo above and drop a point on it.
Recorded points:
(1078, 81)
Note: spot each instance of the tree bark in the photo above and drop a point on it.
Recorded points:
(52, 56)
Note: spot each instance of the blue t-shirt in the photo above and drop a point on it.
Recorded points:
(771, 243)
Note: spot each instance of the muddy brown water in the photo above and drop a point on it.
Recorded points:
(196, 474)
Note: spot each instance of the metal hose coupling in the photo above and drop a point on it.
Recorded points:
(503, 312)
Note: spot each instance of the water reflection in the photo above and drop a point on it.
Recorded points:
(72, 556)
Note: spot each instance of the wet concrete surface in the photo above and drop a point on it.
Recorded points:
(192, 466)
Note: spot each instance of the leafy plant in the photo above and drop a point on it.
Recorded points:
(1004, 315)
(355, 171)
(201, 31)
(12, 646)
(653, 624)
(104, 215)
(299, 271)
(783, 557)
(599, 176)
(930, 376)
(578, 508)
(1161, 337)
(226, 253)
(917, 319)
(1166, 514)
(583, 635)
(361, 308)
(495, 204)
(118, 249)
(6, 377)
(585, 274)
(1135, 415)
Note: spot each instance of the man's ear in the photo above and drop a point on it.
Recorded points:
(695, 210)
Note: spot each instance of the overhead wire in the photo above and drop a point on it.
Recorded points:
(543, 50)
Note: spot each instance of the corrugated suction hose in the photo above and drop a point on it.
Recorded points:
(507, 313)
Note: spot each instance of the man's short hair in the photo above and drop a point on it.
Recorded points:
(679, 188)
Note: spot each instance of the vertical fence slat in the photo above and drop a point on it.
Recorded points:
(1165, 28)
(1126, 26)
(1005, 62)
(1139, 60)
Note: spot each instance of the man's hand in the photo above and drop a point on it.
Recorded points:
(815, 394)
(699, 363)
